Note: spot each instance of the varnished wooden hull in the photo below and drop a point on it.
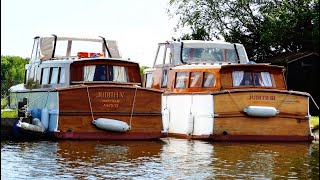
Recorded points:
(140, 108)
(230, 123)
(290, 124)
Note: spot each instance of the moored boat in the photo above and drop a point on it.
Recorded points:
(81, 88)
(213, 92)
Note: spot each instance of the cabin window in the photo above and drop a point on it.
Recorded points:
(62, 76)
(209, 80)
(195, 79)
(164, 78)
(148, 80)
(168, 56)
(118, 73)
(26, 76)
(207, 54)
(248, 78)
(54, 76)
(160, 55)
(45, 76)
(181, 80)
(94, 73)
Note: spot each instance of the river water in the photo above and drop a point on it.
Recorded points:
(166, 159)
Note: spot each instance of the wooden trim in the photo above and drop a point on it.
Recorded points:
(109, 135)
(259, 138)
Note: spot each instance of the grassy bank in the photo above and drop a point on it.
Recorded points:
(315, 122)
(9, 114)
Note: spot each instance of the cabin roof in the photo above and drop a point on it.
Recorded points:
(47, 45)
(260, 65)
(288, 57)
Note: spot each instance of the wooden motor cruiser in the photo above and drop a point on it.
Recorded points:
(72, 93)
(213, 92)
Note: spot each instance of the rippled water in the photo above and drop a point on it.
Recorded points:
(165, 159)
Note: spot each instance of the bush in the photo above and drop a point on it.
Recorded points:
(4, 103)
(9, 114)
(315, 122)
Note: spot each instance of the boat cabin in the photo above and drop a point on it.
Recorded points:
(64, 61)
(203, 67)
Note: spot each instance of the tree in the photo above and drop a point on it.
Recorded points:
(265, 28)
(12, 71)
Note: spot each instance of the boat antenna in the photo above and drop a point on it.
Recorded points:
(54, 45)
(235, 48)
(105, 44)
(181, 53)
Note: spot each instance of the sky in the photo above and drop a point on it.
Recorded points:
(137, 25)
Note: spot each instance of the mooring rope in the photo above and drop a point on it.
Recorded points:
(234, 100)
(133, 103)
(284, 100)
(89, 99)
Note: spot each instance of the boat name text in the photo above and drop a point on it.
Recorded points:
(110, 95)
(256, 97)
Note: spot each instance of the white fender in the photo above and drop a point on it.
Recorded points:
(37, 122)
(45, 118)
(190, 124)
(111, 124)
(261, 111)
(30, 127)
(165, 120)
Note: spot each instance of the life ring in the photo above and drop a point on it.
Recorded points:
(89, 54)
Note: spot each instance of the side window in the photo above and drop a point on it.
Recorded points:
(54, 76)
(209, 80)
(195, 79)
(164, 78)
(160, 55)
(168, 57)
(62, 75)
(45, 75)
(181, 80)
(26, 76)
(148, 80)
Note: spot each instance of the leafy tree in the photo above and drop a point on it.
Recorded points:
(12, 71)
(265, 28)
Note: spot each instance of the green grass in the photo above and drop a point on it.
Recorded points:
(9, 114)
(315, 122)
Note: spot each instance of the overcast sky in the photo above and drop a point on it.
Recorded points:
(137, 25)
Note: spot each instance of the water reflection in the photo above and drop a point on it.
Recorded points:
(167, 159)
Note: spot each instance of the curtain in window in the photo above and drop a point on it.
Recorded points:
(266, 79)
(89, 73)
(120, 74)
(237, 77)
(209, 80)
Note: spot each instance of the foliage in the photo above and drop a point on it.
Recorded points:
(142, 68)
(12, 71)
(9, 114)
(265, 29)
(315, 122)
(4, 103)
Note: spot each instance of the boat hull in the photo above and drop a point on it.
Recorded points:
(138, 107)
(230, 122)
(77, 107)
(108, 135)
